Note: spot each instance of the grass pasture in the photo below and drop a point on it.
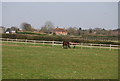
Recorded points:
(28, 61)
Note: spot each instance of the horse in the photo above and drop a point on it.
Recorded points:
(66, 44)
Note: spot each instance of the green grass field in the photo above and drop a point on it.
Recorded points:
(22, 61)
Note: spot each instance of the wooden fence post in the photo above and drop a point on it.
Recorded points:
(26, 41)
(7, 40)
(11, 40)
(81, 45)
(91, 45)
(43, 43)
(110, 47)
(34, 42)
(52, 43)
(16, 41)
(100, 46)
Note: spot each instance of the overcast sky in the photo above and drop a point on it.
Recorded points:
(0, 13)
(60, 0)
(62, 14)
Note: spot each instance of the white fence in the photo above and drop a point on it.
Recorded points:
(53, 43)
(32, 41)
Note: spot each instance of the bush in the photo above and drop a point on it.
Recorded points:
(30, 33)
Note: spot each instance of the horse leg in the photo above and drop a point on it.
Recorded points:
(64, 46)
(69, 46)
(74, 46)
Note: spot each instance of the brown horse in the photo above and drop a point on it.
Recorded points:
(66, 44)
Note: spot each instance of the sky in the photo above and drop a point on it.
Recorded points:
(62, 14)
(60, 0)
(0, 13)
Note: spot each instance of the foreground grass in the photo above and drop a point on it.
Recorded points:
(44, 62)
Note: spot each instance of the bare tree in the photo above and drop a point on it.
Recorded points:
(79, 30)
(49, 25)
(27, 27)
(15, 28)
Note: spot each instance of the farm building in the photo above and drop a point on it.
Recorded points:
(60, 31)
(10, 30)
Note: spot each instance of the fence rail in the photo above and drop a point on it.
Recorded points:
(53, 43)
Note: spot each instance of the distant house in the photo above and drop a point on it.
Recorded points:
(60, 31)
(9, 30)
(13, 31)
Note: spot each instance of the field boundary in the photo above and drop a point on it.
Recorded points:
(53, 43)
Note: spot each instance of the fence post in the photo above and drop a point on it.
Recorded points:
(16, 41)
(7, 40)
(34, 42)
(91, 46)
(26, 41)
(43, 43)
(100, 46)
(11, 40)
(110, 47)
(81, 45)
(52, 43)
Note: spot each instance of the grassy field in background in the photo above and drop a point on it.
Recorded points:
(22, 61)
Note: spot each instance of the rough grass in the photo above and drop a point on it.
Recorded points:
(22, 61)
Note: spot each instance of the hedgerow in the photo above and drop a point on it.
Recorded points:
(55, 38)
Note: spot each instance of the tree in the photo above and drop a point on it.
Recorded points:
(72, 31)
(44, 29)
(90, 30)
(15, 28)
(49, 26)
(79, 31)
(2, 28)
(80, 28)
(27, 27)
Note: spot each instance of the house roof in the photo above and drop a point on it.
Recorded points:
(59, 29)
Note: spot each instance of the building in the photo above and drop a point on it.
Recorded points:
(13, 31)
(9, 30)
(60, 31)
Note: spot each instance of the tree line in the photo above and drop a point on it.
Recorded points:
(76, 31)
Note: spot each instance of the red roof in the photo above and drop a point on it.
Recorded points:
(59, 29)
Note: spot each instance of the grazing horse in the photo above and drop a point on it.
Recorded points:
(66, 44)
